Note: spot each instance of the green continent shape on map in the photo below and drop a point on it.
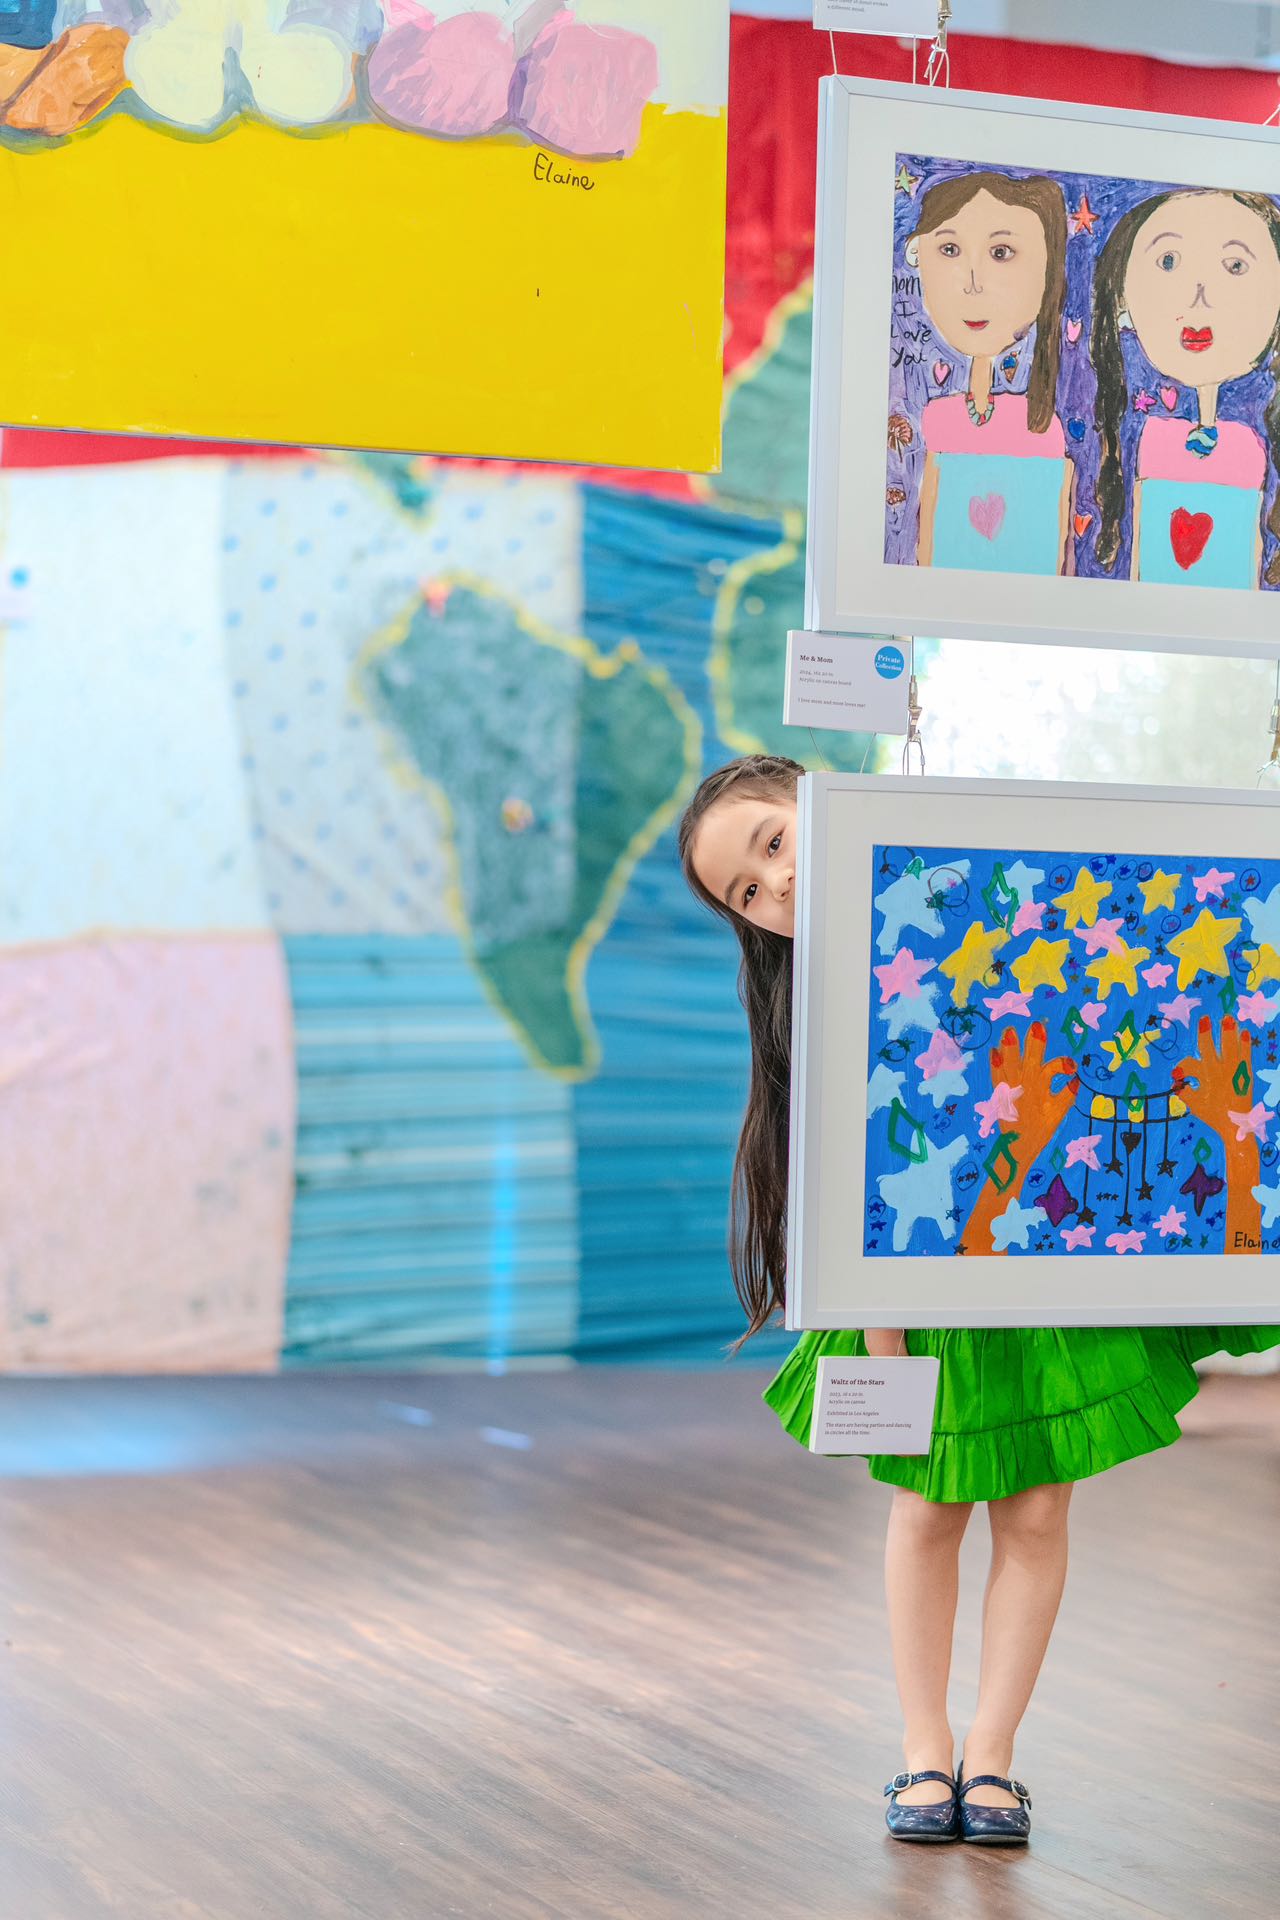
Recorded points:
(766, 430)
(559, 766)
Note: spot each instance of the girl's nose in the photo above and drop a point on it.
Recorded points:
(973, 286)
(1199, 300)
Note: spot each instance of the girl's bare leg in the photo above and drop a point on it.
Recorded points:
(922, 1579)
(1028, 1569)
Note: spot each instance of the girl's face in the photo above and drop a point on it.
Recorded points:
(744, 854)
(982, 274)
(1203, 288)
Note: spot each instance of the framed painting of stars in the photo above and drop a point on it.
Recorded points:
(1046, 374)
(1036, 1055)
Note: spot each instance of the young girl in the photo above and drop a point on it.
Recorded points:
(1196, 277)
(1021, 1413)
(996, 493)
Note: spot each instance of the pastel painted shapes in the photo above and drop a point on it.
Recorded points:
(986, 514)
(70, 82)
(452, 78)
(298, 74)
(583, 89)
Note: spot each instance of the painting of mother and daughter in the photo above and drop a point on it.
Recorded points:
(1085, 377)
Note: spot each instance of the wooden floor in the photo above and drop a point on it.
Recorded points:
(598, 1645)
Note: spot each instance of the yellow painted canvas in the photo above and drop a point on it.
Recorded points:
(490, 227)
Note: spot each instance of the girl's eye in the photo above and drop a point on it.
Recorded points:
(1168, 261)
(747, 893)
(775, 843)
(1001, 252)
(949, 250)
(1234, 264)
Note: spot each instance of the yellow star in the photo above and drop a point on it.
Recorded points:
(1264, 964)
(1081, 904)
(1139, 1055)
(1161, 890)
(1041, 965)
(971, 962)
(1118, 968)
(1203, 945)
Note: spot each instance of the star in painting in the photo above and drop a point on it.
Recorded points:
(942, 1055)
(1264, 917)
(1161, 890)
(1268, 1198)
(1256, 1008)
(1029, 918)
(1007, 1003)
(1087, 1216)
(1093, 1013)
(1126, 1242)
(1202, 1186)
(1177, 1013)
(905, 902)
(1080, 902)
(1264, 964)
(971, 961)
(1252, 1124)
(902, 975)
(1171, 1221)
(905, 182)
(883, 1088)
(1211, 885)
(1081, 1235)
(904, 1013)
(1082, 220)
(1271, 1075)
(1203, 945)
(1158, 973)
(1023, 879)
(1119, 968)
(1101, 935)
(922, 1191)
(1145, 1191)
(1003, 1105)
(1058, 1200)
(1143, 400)
(1041, 965)
(1014, 1226)
(1084, 1152)
(1166, 1167)
(1129, 1045)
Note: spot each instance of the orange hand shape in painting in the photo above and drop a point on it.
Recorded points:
(1041, 1112)
(1211, 1095)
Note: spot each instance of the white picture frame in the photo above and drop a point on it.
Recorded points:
(851, 586)
(831, 1281)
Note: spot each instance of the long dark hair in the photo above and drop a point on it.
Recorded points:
(758, 1194)
(1108, 364)
(1044, 198)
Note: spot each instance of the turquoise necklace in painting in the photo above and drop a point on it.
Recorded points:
(979, 419)
(1201, 441)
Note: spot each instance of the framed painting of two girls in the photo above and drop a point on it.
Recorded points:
(1046, 373)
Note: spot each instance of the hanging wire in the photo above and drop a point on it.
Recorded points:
(835, 64)
(1273, 118)
(938, 66)
(818, 750)
(1272, 764)
(871, 740)
(914, 737)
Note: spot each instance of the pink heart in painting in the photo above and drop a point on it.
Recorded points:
(941, 373)
(1168, 398)
(1074, 329)
(986, 514)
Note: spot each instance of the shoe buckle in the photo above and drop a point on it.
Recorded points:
(1021, 1791)
(900, 1782)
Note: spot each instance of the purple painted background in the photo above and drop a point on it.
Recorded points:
(915, 346)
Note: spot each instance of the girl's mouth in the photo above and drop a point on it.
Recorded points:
(1196, 339)
(975, 324)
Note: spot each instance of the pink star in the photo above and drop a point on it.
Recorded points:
(1083, 1152)
(1171, 1222)
(1019, 1003)
(1177, 1013)
(1254, 1122)
(1073, 1237)
(1126, 1242)
(1003, 1105)
(1143, 401)
(1211, 885)
(942, 1055)
(1029, 914)
(1103, 933)
(902, 975)
(1157, 975)
(1255, 1007)
(1092, 1014)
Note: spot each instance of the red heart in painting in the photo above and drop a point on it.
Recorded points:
(1189, 535)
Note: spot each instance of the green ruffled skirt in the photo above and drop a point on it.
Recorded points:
(1019, 1407)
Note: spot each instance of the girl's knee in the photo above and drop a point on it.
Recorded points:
(1036, 1517)
(929, 1519)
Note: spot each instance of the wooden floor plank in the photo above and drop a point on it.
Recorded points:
(596, 1645)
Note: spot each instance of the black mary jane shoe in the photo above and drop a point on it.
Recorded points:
(941, 1821)
(994, 1826)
